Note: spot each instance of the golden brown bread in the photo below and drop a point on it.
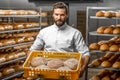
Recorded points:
(106, 64)
(114, 48)
(9, 70)
(95, 78)
(108, 55)
(100, 13)
(104, 47)
(100, 30)
(116, 65)
(118, 14)
(116, 30)
(96, 63)
(94, 46)
(106, 78)
(108, 14)
(108, 30)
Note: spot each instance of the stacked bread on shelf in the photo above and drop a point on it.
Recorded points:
(11, 68)
(106, 75)
(114, 29)
(109, 60)
(18, 12)
(108, 14)
(112, 45)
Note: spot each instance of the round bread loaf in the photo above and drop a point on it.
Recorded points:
(108, 30)
(55, 63)
(71, 63)
(108, 14)
(36, 61)
(104, 47)
(114, 48)
(100, 13)
(116, 30)
(96, 63)
(106, 64)
(100, 30)
(94, 46)
(116, 65)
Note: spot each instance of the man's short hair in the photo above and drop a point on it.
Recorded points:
(60, 5)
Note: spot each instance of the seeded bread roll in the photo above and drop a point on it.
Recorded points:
(55, 63)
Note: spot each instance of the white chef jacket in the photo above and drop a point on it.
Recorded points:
(63, 39)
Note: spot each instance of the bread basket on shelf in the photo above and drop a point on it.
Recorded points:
(52, 73)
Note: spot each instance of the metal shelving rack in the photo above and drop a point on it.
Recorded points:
(10, 19)
(91, 32)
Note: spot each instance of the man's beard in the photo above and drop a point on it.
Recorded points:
(59, 23)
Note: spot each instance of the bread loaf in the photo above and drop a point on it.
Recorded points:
(71, 63)
(104, 47)
(96, 63)
(94, 46)
(106, 64)
(100, 30)
(55, 63)
(36, 61)
(100, 13)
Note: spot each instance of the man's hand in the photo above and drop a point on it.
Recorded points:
(85, 60)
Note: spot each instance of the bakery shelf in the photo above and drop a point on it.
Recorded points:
(98, 51)
(103, 68)
(19, 30)
(16, 45)
(12, 61)
(12, 75)
(94, 33)
(21, 16)
(94, 17)
(97, 8)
